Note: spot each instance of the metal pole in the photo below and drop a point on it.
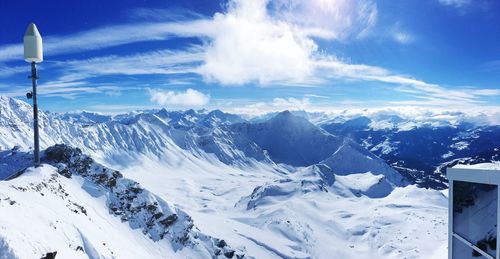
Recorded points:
(34, 77)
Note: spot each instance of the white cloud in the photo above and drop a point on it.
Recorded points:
(455, 3)
(190, 97)
(336, 69)
(6, 71)
(486, 115)
(337, 19)
(248, 45)
(486, 92)
(317, 96)
(270, 42)
(402, 37)
(277, 104)
(67, 90)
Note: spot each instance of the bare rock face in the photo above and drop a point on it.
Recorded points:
(133, 204)
(51, 255)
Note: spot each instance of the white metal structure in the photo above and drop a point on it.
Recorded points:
(33, 48)
(473, 212)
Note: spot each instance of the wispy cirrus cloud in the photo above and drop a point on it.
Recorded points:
(162, 15)
(6, 71)
(421, 89)
(455, 3)
(66, 90)
(334, 19)
(154, 62)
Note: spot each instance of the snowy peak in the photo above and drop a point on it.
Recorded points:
(13, 111)
(85, 117)
(218, 117)
(286, 118)
(290, 139)
(351, 158)
(12, 103)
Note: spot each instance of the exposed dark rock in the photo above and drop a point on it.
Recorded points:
(169, 220)
(229, 254)
(221, 243)
(60, 153)
(51, 255)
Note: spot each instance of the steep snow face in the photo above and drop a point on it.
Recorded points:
(14, 116)
(362, 172)
(352, 158)
(115, 197)
(291, 139)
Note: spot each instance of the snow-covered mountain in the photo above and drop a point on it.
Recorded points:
(291, 139)
(116, 139)
(421, 149)
(280, 187)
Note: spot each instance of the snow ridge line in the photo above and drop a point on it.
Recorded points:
(137, 206)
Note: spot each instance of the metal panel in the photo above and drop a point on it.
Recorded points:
(481, 176)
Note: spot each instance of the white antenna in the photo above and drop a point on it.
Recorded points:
(33, 47)
(33, 53)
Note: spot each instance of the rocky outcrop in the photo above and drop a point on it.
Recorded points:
(133, 204)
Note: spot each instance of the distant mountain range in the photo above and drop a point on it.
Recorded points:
(419, 150)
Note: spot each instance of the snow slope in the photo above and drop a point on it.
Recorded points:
(38, 217)
(69, 206)
(298, 215)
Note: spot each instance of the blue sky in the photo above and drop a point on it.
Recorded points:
(256, 56)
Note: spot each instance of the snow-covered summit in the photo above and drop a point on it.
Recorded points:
(290, 139)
